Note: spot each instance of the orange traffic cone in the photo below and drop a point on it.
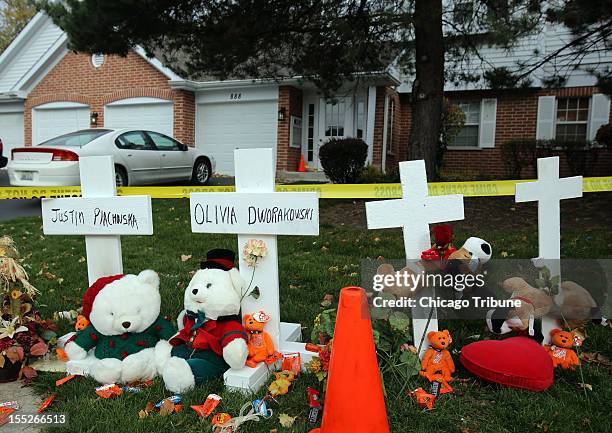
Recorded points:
(301, 165)
(354, 398)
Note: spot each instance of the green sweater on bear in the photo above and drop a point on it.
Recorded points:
(120, 346)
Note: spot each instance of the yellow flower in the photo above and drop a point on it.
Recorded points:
(16, 294)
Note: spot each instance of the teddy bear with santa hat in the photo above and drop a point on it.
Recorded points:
(125, 326)
(211, 337)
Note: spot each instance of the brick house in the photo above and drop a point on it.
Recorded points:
(45, 91)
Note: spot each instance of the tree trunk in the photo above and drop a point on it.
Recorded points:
(428, 86)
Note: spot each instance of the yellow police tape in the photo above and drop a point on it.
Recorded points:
(355, 191)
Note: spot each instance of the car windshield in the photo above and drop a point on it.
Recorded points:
(76, 139)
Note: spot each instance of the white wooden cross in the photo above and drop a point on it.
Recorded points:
(100, 216)
(548, 191)
(256, 211)
(413, 213)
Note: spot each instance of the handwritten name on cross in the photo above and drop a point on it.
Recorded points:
(256, 211)
(100, 216)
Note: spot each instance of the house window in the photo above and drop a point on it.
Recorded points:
(360, 118)
(295, 134)
(390, 121)
(335, 115)
(468, 135)
(310, 137)
(572, 119)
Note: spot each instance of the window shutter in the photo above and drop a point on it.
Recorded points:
(545, 129)
(488, 113)
(600, 113)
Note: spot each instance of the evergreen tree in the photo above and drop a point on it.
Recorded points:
(331, 41)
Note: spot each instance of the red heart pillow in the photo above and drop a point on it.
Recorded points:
(518, 362)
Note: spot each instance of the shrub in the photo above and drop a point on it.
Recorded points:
(371, 174)
(604, 136)
(581, 155)
(343, 159)
(518, 155)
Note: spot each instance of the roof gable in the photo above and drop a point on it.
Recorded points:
(35, 42)
(34, 52)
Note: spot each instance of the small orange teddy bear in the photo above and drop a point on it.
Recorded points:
(437, 364)
(561, 350)
(259, 342)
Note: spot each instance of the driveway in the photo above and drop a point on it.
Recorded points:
(10, 209)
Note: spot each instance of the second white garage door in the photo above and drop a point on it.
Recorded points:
(141, 113)
(223, 127)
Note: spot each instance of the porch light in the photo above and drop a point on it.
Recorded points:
(93, 120)
(281, 114)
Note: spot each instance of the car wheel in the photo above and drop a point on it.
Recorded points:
(121, 178)
(201, 172)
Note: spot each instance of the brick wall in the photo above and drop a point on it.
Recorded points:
(74, 79)
(379, 126)
(289, 99)
(516, 118)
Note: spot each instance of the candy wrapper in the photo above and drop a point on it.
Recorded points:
(314, 400)
(45, 404)
(292, 362)
(221, 419)
(261, 408)
(175, 399)
(108, 391)
(4, 414)
(423, 399)
(63, 380)
(203, 410)
(10, 404)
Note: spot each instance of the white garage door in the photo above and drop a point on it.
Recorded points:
(57, 118)
(141, 113)
(11, 130)
(223, 127)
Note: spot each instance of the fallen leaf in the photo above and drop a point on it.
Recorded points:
(150, 407)
(376, 239)
(81, 259)
(2, 361)
(595, 358)
(286, 420)
(166, 408)
(504, 253)
(586, 386)
(184, 257)
(50, 276)
(143, 414)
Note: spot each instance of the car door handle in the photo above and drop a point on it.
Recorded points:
(129, 154)
(163, 155)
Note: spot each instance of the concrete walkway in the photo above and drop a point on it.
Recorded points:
(27, 399)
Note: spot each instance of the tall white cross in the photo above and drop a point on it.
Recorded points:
(100, 216)
(548, 191)
(413, 213)
(256, 211)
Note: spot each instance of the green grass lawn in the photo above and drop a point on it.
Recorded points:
(310, 267)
